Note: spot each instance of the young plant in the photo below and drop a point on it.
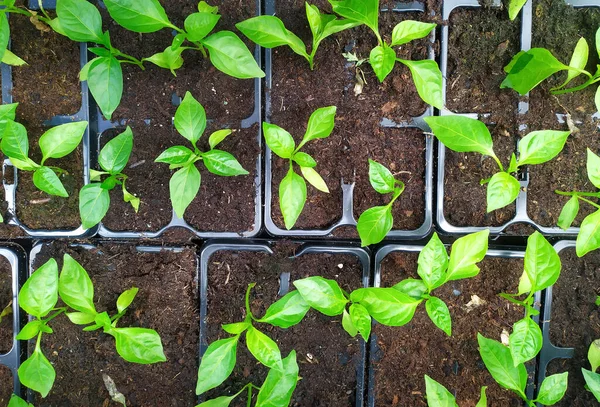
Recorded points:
(270, 31)
(190, 122)
(588, 238)
(375, 223)
(528, 69)
(592, 379)
(39, 296)
(94, 198)
(426, 74)
(466, 135)
(439, 396)
(292, 189)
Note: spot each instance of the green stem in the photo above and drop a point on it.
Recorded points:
(249, 401)
(41, 6)
(498, 162)
(591, 81)
(38, 342)
(249, 315)
(60, 311)
(595, 205)
(201, 48)
(129, 58)
(577, 193)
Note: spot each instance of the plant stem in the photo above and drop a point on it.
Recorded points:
(248, 311)
(498, 162)
(576, 193)
(130, 59)
(60, 311)
(576, 88)
(589, 202)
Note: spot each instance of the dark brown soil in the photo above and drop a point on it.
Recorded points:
(558, 27)
(575, 321)
(407, 353)
(167, 302)
(297, 92)
(6, 385)
(328, 357)
(6, 296)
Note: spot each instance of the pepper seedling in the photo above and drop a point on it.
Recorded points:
(588, 238)
(94, 198)
(292, 189)
(39, 297)
(375, 223)
(270, 31)
(592, 379)
(439, 396)
(190, 122)
(528, 69)
(464, 135)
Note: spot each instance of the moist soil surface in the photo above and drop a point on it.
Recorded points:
(297, 92)
(6, 385)
(575, 321)
(167, 301)
(327, 356)
(558, 27)
(404, 355)
(6, 296)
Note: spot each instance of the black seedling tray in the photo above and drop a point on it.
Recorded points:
(347, 210)
(284, 284)
(375, 353)
(521, 215)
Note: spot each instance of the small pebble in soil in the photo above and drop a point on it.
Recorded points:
(456, 292)
(340, 266)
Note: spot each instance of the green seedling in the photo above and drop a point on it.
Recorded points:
(426, 74)
(439, 396)
(292, 189)
(528, 69)
(465, 135)
(270, 31)
(588, 238)
(592, 379)
(16, 401)
(190, 122)
(94, 198)
(375, 223)
(39, 297)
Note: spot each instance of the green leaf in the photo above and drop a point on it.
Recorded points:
(592, 379)
(428, 80)
(314, 179)
(30, 330)
(287, 311)
(465, 253)
(433, 262)
(588, 238)
(27, 165)
(439, 314)
(514, 7)
(81, 318)
(80, 21)
(438, 395)
(184, 187)
(178, 41)
(222, 163)
(141, 16)
(499, 363)
(320, 124)
(16, 401)
(176, 155)
(578, 60)
(462, 134)
(279, 385)
(323, 25)
(569, 213)
(223, 401)
(382, 60)
(263, 348)
(542, 263)
(304, 160)
(348, 325)
(236, 328)
(61, 140)
(37, 373)
(126, 298)
(138, 345)
(374, 224)
(541, 146)
(75, 286)
(4, 34)
(279, 140)
(217, 137)
(525, 341)
(381, 178)
(530, 68)
(388, 306)
(10, 58)
(199, 25)
(594, 349)
(361, 320)
(168, 59)
(409, 30)
(15, 143)
(553, 389)
(502, 190)
(270, 32)
(483, 399)
(216, 364)
(45, 179)
(512, 166)
(412, 287)
(593, 168)
(204, 7)
(364, 11)
(8, 111)
(114, 155)
(105, 80)
(94, 202)
(229, 55)
(322, 294)
(190, 118)
(292, 197)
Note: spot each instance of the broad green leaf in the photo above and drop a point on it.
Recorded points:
(184, 186)
(361, 320)
(412, 287)
(45, 179)
(388, 306)
(433, 262)
(594, 350)
(37, 373)
(75, 286)
(287, 311)
(316, 19)
(553, 389)
(569, 213)
(190, 118)
(542, 263)
(30, 330)
(438, 395)
(374, 224)
(4, 34)
(15, 143)
(216, 364)
(279, 385)
(483, 399)
(499, 363)
(222, 163)
(204, 7)
(320, 124)
(279, 140)
(292, 197)
(178, 41)
(27, 165)
(61, 140)
(168, 59)
(94, 202)
(540, 146)
(348, 324)
(439, 314)
(593, 168)
(138, 345)
(335, 26)
(502, 190)
(314, 179)
(80, 318)
(176, 155)
(223, 401)
(236, 328)
(199, 25)
(270, 32)
(588, 238)
(304, 160)
(229, 55)
(382, 60)
(8, 111)
(364, 11)
(428, 80)
(16, 401)
(592, 379)
(409, 30)
(514, 8)
(218, 136)
(126, 298)
(322, 294)
(114, 155)
(141, 16)
(85, 71)
(525, 341)
(105, 80)
(263, 348)
(9, 58)
(578, 60)
(530, 69)
(80, 21)
(381, 178)
(462, 134)
(466, 252)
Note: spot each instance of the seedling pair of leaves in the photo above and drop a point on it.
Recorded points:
(439, 396)
(592, 379)
(588, 238)
(94, 198)
(292, 189)
(466, 135)
(190, 122)
(6, 55)
(528, 69)
(39, 297)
